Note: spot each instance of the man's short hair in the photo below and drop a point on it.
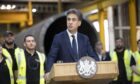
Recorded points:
(76, 12)
(6, 33)
(98, 42)
(119, 38)
(28, 35)
(138, 41)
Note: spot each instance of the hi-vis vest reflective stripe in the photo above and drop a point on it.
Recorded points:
(127, 58)
(136, 78)
(21, 62)
(9, 65)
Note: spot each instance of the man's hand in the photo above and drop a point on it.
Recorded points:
(135, 70)
(46, 76)
(103, 53)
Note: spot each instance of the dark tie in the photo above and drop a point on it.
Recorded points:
(74, 48)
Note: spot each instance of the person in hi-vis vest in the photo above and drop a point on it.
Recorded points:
(136, 74)
(125, 61)
(31, 63)
(6, 72)
(9, 47)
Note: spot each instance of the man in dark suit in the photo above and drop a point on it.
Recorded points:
(69, 45)
(100, 54)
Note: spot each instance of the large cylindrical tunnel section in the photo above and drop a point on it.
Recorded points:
(46, 30)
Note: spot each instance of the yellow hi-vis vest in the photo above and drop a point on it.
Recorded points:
(9, 65)
(127, 58)
(21, 62)
(6, 51)
(136, 78)
(7, 55)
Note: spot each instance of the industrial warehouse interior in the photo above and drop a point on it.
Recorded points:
(36, 36)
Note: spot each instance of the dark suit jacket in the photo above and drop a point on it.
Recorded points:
(61, 49)
(105, 58)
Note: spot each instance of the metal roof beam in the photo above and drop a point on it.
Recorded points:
(48, 1)
(100, 4)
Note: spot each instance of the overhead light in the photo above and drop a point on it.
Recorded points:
(13, 6)
(8, 7)
(34, 10)
(91, 12)
(94, 11)
(3, 7)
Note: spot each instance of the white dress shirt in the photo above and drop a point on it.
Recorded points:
(71, 38)
(100, 56)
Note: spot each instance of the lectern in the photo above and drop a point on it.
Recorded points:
(65, 73)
